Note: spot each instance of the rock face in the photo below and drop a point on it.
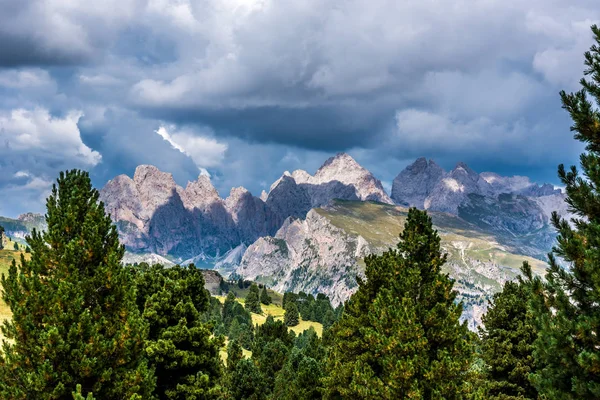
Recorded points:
(310, 255)
(324, 253)
(415, 183)
(23, 225)
(340, 177)
(155, 215)
(512, 205)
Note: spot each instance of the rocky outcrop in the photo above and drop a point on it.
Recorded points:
(324, 253)
(150, 259)
(310, 255)
(23, 225)
(416, 182)
(340, 177)
(155, 215)
(454, 188)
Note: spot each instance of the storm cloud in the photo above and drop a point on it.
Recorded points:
(244, 89)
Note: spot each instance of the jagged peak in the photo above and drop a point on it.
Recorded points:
(238, 192)
(301, 176)
(146, 171)
(463, 168)
(421, 164)
(285, 177)
(339, 162)
(202, 184)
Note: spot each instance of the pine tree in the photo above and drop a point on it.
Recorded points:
(253, 300)
(74, 317)
(291, 317)
(400, 336)
(507, 344)
(246, 382)
(264, 297)
(234, 355)
(567, 308)
(300, 378)
(180, 345)
(16, 246)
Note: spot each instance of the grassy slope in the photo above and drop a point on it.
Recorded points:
(380, 225)
(476, 260)
(6, 258)
(277, 313)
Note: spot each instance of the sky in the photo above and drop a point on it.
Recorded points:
(246, 89)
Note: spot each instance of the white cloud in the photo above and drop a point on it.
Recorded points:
(204, 151)
(37, 131)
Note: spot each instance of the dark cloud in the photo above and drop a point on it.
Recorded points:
(249, 88)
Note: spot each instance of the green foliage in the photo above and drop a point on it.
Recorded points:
(400, 336)
(246, 382)
(300, 378)
(180, 345)
(271, 348)
(270, 331)
(77, 395)
(291, 317)
(237, 322)
(16, 246)
(507, 344)
(27, 249)
(253, 300)
(567, 305)
(264, 297)
(234, 355)
(74, 316)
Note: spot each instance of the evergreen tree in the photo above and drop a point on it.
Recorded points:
(246, 382)
(300, 378)
(291, 317)
(264, 297)
(253, 300)
(234, 355)
(74, 317)
(507, 344)
(180, 345)
(400, 336)
(16, 246)
(567, 305)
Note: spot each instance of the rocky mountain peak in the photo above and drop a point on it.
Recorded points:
(412, 186)
(200, 193)
(338, 166)
(237, 195)
(145, 173)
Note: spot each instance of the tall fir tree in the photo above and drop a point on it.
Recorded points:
(253, 300)
(400, 336)
(74, 317)
(180, 346)
(567, 305)
(264, 297)
(291, 317)
(507, 344)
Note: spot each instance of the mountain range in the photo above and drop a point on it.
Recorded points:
(310, 232)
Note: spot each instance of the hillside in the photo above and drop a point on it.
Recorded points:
(7, 255)
(324, 253)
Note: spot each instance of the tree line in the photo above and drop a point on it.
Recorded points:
(84, 326)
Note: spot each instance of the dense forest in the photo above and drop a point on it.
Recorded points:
(84, 326)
